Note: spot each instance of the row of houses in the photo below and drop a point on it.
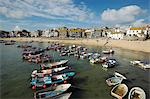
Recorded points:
(64, 32)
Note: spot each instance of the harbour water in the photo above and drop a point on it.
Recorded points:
(89, 82)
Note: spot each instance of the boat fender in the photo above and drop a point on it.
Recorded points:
(44, 86)
(65, 82)
(33, 87)
(55, 84)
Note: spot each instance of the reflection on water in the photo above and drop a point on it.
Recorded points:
(89, 81)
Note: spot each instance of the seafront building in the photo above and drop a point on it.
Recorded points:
(64, 32)
(138, 31)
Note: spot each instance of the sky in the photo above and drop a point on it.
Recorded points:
(45, 14)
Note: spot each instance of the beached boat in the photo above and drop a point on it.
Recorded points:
(119, 91)
(49, 94)
(110, 63)
(117, 79)
(137, 93)
(108, 52)
(61, 63)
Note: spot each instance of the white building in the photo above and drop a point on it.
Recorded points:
(138, 31)
(116, 33)
(50, 33)
(34, 34)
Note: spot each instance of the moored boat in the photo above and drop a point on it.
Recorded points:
(141, 64)
(61, 63)
(110, 63)
(117, 79)
(108, 51)
(41, 73)
(137, 93)
(119, 91)
(49, 94)
(48, 80)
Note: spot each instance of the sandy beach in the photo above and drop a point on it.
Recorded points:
(143, 46)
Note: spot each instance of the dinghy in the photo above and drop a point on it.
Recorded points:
(117, 79)
(49, 94)
(108, 52)
(137, 93)
(119, 91)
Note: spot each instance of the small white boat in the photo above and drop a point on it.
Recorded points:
(117, 79)
(140, 64)
(136, 62)
(146, 66)
(119, 91)
(56, 64)
(108, 52)
(49, 94)
(95, 61)
(41, 73)
(137, 93)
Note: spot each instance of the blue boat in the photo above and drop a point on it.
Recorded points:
(47, 80)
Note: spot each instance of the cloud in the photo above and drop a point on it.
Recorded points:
(123, 15)
(51, 9)
(140, 22)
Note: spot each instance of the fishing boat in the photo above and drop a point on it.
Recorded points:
(47, 80)
(52, 94)
(61, 63)
(47, 71)
(137, 93)
(108, 51)
(117, 79)
(110, 63)
(41, 59)
(119, 91)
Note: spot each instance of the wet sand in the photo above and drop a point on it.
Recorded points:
(143, 46)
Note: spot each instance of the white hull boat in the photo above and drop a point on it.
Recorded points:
(49, 94)
(117, 79)
(137, 93)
